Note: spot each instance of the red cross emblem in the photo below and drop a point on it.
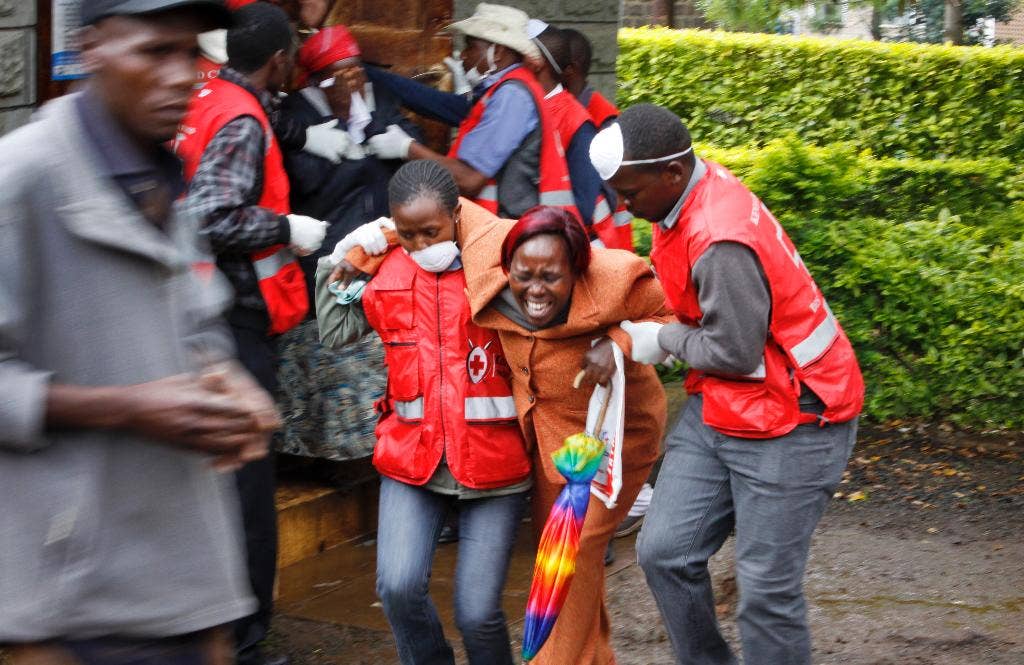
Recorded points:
(477, 362)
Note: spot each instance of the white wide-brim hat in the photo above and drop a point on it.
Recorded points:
(499, 24)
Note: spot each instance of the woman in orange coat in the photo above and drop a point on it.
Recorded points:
(549, 296)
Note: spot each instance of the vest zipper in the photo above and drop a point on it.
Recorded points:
(440, 363)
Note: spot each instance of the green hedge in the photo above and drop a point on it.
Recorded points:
(838, 182)
(901, 100)
(933, 302)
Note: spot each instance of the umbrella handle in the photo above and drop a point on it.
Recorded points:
(599, 423)
(604, 407)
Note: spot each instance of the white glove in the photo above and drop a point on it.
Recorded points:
(327, 141)
(644, 335)
(369, 236)
(355, 151)
(392, 144)
(460, 84)
(307, 234)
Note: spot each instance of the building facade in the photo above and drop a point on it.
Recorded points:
(1011, 32)
(18, 62)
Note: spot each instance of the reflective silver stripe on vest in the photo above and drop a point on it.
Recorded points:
(271, 265)
(815, 344)
(558, 197)
(490, 408)
(623, 217)
(758, 373)
(488, 193)
(601, 210)
(412, 410)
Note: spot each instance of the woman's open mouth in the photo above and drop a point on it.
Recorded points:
(537, 309)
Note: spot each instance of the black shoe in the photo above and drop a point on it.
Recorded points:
(449, 534)
(609, 555)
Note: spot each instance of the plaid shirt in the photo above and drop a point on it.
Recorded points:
(224, 192)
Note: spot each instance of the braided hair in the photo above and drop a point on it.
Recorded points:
(423, 177)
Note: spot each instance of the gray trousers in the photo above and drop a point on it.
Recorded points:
(773, 492)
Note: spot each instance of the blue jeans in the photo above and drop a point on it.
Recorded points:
(773, 491)
(410, 520)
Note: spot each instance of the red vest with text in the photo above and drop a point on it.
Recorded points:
(554, 187)
(805, 346)
(206, 70)
(615, 231)
(449, 387)
(281, 281)
(600, 109)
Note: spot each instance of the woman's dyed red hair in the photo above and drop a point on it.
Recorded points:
(540, 220)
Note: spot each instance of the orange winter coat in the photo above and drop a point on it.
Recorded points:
(617, 286)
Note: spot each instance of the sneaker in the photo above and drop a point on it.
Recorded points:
(609, 555)
(629, 526)
(635, 519)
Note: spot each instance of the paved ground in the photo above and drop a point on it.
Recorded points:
(913, 564)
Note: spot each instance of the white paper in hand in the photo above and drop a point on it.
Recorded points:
(608, 481)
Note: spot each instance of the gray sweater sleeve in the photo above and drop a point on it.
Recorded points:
(735, 302)
(337, 324)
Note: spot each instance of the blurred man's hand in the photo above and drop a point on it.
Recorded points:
(220, 413)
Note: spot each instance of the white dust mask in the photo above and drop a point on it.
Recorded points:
(437, 257)
(358, 118)
(474, 77)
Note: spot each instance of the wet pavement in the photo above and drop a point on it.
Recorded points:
(889, 580)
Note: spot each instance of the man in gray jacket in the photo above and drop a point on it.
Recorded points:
(119, 406)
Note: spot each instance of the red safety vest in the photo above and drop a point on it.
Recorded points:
(806, 344)
(554, 185)
(449, 386)
(206, 70)
(615, 230)
(567, 116)
(281, 281)
(600, 109)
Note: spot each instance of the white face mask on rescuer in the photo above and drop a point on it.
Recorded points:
(436, 258)
(474, 77)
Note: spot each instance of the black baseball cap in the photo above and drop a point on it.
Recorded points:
(92, 11)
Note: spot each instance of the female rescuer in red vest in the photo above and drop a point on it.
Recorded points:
(448, 428)
(775, 393)
(213, 106)
(505, 177)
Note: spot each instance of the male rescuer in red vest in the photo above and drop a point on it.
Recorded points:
(324, 140)
(572, 127)
(238, 191)
(616, 230)
(775, 391)
(504, 157)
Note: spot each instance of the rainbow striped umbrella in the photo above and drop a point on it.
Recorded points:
(578, 460)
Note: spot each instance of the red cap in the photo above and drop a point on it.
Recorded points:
(325, 48)
(237, 4)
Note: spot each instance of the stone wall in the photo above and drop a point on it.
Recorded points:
(598, 19)
(17, 62)
(636, 13)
